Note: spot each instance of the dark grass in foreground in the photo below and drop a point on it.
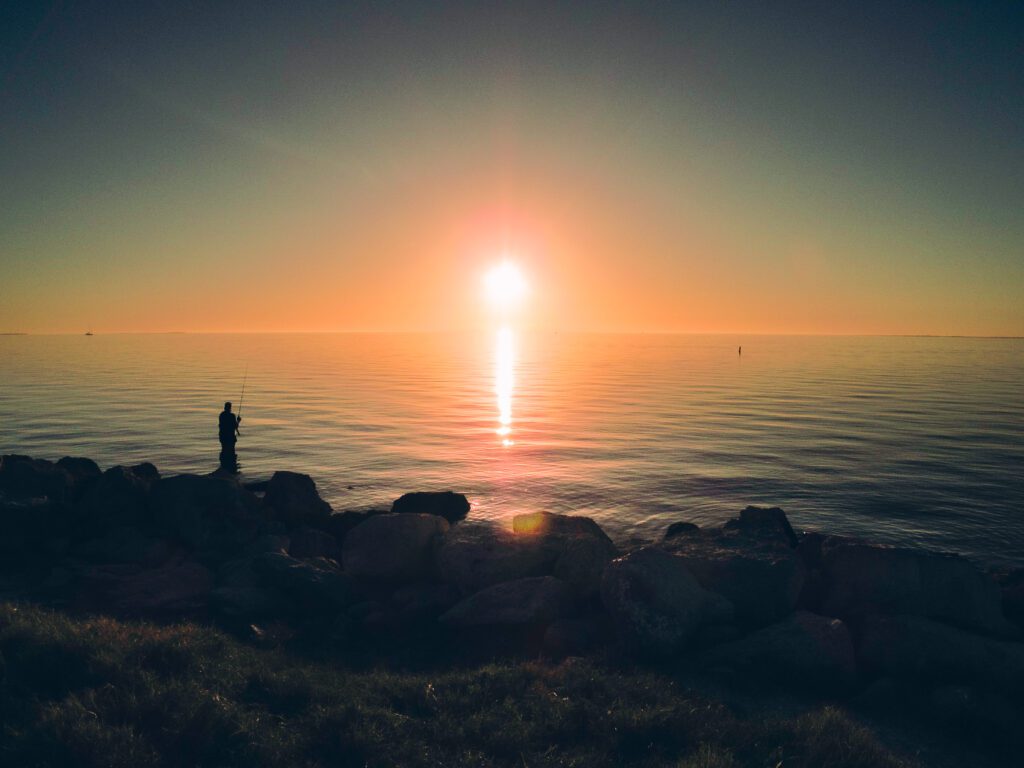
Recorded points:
(100, 692)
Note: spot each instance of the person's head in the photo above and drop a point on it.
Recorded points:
(227, 406)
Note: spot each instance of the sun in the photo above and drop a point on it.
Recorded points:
(504, 286)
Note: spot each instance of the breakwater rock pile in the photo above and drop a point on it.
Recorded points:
(752, 599)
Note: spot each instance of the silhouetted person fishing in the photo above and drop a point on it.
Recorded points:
(229, 432)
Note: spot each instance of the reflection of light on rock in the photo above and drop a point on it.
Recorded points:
(504, 359)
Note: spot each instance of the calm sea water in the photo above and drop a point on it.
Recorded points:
(904, 440)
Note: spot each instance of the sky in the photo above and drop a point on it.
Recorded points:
(722, 167)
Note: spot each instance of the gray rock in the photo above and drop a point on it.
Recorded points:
(206, 512)
(312, 542)
(582, 563)
(23, 479)
(806, 651)
(447, 504)
(126, 544)
(550, 524)
(423, 602)
(524, 602)
(764, 523)
(475, 555)
(117, 497)
(293, 499)
(656, 604)
(866, 579)
(82, 472)
(312, 582)
(762, 576)
(917, 648)
(392, 548)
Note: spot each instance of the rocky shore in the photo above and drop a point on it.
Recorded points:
(751, 602)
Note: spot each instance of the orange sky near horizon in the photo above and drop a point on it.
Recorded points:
(648, 173)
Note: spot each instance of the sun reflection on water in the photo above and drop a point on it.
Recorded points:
(504, 382)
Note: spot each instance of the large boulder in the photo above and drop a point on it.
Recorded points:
(82, 473)
(293, 499)
(764, 523)
(474, 555)
(655, 602)
(805, 650)
(312, 583)
(534, 601)
(118, 497)
(392, 549)
(864, 579)
(927, 651)
(125, 544)
(583, 549)
(447, 504)
(1012, 586)
(752, 565)
(206, 512)
(24, 479)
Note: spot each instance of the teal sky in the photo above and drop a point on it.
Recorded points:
(735, 167)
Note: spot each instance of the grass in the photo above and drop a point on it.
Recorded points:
(101, 692)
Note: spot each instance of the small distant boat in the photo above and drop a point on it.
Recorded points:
(88, 333)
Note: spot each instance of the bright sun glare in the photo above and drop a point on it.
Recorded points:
(505, 286)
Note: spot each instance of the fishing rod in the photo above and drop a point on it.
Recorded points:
(241, 400)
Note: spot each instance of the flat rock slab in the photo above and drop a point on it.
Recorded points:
(523, 602)
(656, 604)
(806, 651)
(863, 579)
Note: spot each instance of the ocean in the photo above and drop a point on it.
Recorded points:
(904, 440)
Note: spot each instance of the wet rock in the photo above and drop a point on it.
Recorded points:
(806, 651)
(532, 601)
(764, 523)
(867, 579)
(392, 549)
(680, 529)
(312, 542)
(294, 500)
(311, 582)
(917, 648)
(762, 576)
(447, 504)
(656, 604)
(549, 524)
(206, 512)
(475, 555)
